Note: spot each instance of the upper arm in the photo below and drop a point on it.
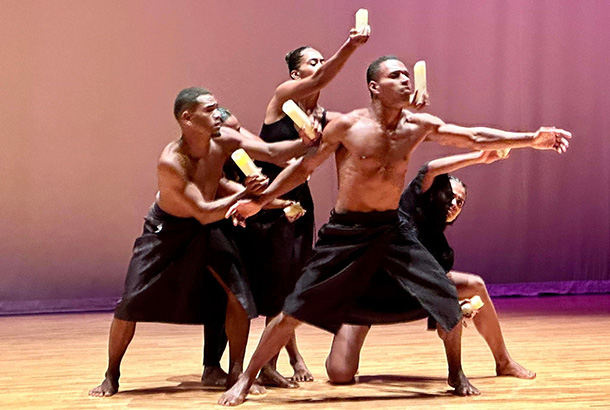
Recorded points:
(451, 134)
(177, 190)
(330, 141)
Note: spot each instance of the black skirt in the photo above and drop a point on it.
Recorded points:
(169, 277)
(275, 250)
(366, 270)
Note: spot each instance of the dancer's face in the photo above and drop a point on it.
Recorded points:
(311, 61)
(459, 197)
(393, 83)
(205, 115)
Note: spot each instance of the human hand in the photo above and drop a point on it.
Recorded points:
(552, 138)
(255, 184)
(488, 157)
(359, 37)
(241, 210)
(294, 211)
(419, 102)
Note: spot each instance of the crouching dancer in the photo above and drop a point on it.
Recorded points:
(184, 268)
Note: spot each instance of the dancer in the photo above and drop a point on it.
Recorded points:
(365, 269)
(215, 339)
(432, 201)
(275, 248)
(172, 277)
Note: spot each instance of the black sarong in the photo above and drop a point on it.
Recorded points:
(169, 280)
(275, 251)
(367, 270)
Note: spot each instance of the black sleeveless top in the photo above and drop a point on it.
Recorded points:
(282, 130)
(424, 214)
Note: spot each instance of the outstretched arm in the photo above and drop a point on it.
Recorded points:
(452, 163)
(483, 138)
(275, 152)
(304, 87)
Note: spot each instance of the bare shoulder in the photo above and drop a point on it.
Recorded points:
(351, 118)
(172, 160)
(229, 138)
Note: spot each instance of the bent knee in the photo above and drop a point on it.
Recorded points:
(340, 374)
(478, 284)
(284, 320)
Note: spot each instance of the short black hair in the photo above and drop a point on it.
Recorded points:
(295, 57)
(187, 98)
(372, 73)
(224, 113)
(439, 197)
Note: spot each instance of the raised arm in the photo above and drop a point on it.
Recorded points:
(483, 138)
(452, 163)
(325, 74)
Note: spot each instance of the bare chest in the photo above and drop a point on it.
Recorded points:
(207, 171)
(372, 146)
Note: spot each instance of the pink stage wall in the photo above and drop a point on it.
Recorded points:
(87, 89)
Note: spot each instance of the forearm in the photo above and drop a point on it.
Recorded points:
(276, 152)
(278, 204)
(228, 187)
(484, 138)
(209, 212)
(334, 64)
(291, 177)
(454, 162)
(283, 151)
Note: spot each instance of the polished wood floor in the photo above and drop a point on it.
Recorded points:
(51, 361)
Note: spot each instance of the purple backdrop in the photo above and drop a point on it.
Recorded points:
(88, 86)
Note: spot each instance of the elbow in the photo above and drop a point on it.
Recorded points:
(477, 141)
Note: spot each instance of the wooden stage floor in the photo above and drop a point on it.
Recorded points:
(51, 361)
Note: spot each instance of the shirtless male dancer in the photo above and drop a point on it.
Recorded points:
(365, 269)
(432, 201)
(172, 275)
(277, 248)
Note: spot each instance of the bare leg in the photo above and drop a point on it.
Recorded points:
(237, 326)
(121, 334)
(269, 376)
(344, 357)
(275, 336)
(301, 372)
(488, 325)
(215, 340)
(453, 349)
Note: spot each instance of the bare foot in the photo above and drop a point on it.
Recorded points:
(461, 385)
(514, 369)
(272, 378)
(108, 388)
(257, 389)
(301, 373)
(214, 376)
(236, 395)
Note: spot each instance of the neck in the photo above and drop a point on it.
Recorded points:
(194, 145)
(387, 116)
(309, 103)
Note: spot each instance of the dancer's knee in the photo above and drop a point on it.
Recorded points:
(340, 374)
(478, 284)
